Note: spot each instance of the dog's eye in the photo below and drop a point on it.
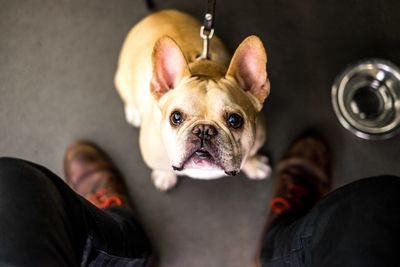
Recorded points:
(176, 118)
(235, 121)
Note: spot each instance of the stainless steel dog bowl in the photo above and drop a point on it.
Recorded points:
(366, 99)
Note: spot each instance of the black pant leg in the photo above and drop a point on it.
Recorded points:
(44, 223)
(356, 225)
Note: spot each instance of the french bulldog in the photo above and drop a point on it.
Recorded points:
(197, 117)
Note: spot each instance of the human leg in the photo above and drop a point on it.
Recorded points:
(44, 223)
(355, 225)
(36, 227)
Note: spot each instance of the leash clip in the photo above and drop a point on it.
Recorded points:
(206, 33)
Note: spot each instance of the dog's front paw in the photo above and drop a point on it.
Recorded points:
(257, 167)
(164, 180)
(132, 115)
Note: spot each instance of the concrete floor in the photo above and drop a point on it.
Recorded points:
(57, 61)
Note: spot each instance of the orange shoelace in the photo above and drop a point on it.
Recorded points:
(294, 198)
(102, 200)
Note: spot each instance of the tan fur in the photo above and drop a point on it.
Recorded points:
(203, 97)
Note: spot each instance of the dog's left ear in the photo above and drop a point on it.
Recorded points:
(169, 66)
(249, 68)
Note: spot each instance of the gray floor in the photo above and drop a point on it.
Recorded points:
(57, 61)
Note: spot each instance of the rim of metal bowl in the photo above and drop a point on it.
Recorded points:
(342, 80)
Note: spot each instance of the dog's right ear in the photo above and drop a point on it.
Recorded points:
(169, 66)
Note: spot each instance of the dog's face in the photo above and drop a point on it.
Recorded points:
(208, 123)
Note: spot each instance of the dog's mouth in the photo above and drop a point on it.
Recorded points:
(200, 159)
(202, 154)
(204, 159)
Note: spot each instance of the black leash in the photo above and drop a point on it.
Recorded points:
(150, 4)
(207, 30)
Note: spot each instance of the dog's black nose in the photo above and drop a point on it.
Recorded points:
(204, 131)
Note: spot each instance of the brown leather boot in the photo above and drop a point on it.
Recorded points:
(303, 177)
(90, 172)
